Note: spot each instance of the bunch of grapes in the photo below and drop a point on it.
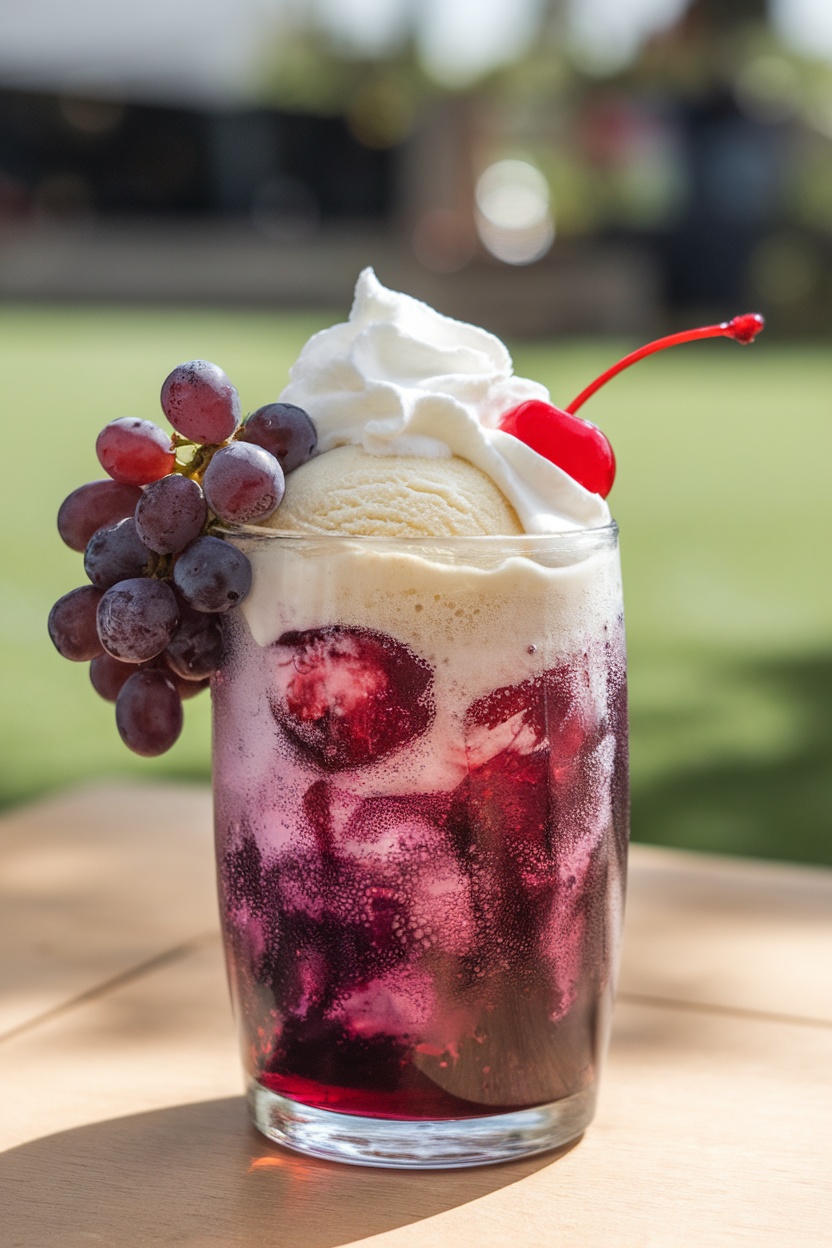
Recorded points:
(160, 576)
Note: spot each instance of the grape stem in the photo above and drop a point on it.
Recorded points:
(201, 458)
(158, 567)
(742, 329)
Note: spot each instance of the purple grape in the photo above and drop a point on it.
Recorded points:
(72, 624)
(134, 451)
(92, 506)
(170, 514)
(137, 618)
(188, 688)
(243, 483)
(285, 431)
(108, 676)
(196, 649)
(114, 554)
(200, 402)
(212, 575)
(149, 713)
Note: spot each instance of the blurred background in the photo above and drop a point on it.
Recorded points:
(202, 178)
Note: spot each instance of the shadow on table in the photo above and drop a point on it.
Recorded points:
(199, 1175)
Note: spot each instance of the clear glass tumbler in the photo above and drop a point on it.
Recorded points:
(420, 773)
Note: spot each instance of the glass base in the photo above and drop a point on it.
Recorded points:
(432, 1144)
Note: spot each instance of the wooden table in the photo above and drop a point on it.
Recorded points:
(122, 1122)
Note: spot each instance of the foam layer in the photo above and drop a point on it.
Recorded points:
(479, 627)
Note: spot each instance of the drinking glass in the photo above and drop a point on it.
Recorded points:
(420, 778)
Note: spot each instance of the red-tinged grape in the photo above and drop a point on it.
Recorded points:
(170, 514)
(92, 506)
(196, 649)
(133, 451)
(108, 676)
(243, 483)
(72, 624)
(200, 402)
(115, 553)
(285, 431)
(137, 618)
(212, 575)
(149, 713)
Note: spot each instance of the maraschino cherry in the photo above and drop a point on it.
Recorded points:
(579, 447)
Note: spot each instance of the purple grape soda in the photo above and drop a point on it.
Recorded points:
(421, 809)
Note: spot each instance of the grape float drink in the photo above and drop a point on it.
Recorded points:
(420, 729)
(420, 780)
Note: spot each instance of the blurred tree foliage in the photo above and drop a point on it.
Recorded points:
(621, 145)
(539, 100)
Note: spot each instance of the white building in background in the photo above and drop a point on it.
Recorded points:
(203, 51)
(165, 51)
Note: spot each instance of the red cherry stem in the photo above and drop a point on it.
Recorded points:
(742, 329)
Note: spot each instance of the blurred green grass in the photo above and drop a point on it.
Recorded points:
(723, 501)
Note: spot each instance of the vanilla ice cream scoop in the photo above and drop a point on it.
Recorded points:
(352, 492)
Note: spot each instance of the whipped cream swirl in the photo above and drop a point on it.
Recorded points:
(399, 378)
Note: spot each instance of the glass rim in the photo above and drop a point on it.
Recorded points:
(484, 541)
